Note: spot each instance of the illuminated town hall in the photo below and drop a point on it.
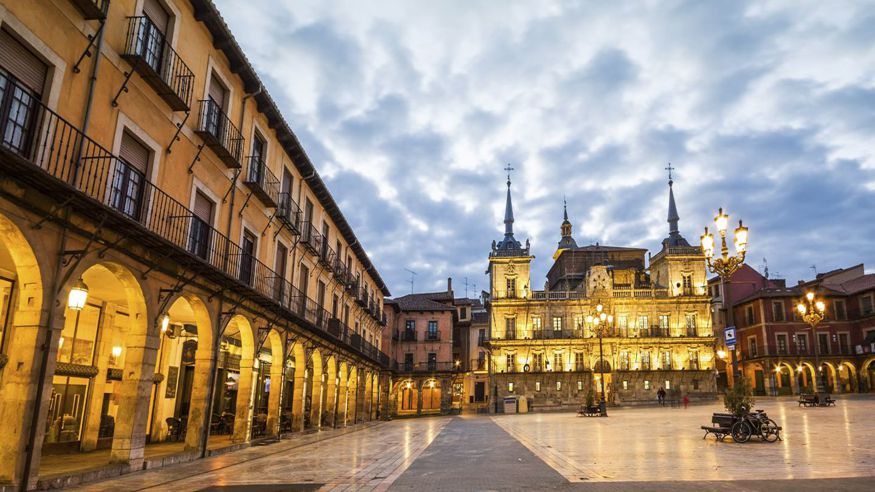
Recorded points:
(653, 315)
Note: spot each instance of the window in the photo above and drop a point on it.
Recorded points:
(433, 330)
(510, 363)
(463, 313)
(748, 315)
(625, 384)
(558, 385)
(823, 343)
(646, 384)
(667, 384)
(578, 361)
(247, 257)
(481, 336)
(557, 323)
(687, 284)
(690, 322)
(666, 360)
(22, 79)
(778, 311)
(537, 386)
(201, 222)
(410, 330)
(510, 328)
(624, 360)
(129, 176)
(511, 287)
(752, 346)
(558, 363)
(580, 386)
(408, 362)
(536, 324)
(623, 324)
(578, 325)
(432, 361)
(844, 345)
(538, 362)
(782, 343)
(335, 302)
(694, 360)
(802, 343)
(839, 310)
(279, 264)
(664, 324)
(510, 387)
(481, 361)
(320, 301)
(645, 361)
(866, 307)
(642, 323)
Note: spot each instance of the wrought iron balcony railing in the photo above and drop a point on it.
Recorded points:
(158, 63)
(310, 238)
(92, 9)
(419, 367)
(43, 150)
(263, 183)
(219, 133)
(433, 336)
(408, 336)
(288, 212)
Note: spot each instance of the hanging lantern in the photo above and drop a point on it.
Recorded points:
(78, 295)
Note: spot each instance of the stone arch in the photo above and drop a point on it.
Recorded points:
(186, 345)
(331, 391)
(849, 383)
(270, 383)
(784, 378)
(22, 332)
(234, 384)
(115, 333)
(317, 394)
(407, 391)
(431, 393)
(831, 379)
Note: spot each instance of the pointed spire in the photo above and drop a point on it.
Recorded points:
(508, 210)
(673, 217)
(509, 246)
(567, 241)
(564, 208)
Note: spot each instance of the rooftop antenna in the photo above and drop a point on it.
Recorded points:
(412, 276)
(765, 268)
(814, 268)
(466, 287)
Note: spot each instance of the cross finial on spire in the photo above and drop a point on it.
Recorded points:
(508, 169)
(564, 208)
(670, 169)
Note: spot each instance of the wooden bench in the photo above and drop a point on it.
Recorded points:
(589, 411)
(816, 400)
(721, 425)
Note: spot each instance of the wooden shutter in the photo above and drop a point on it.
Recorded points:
(134, 153)
(203, 208)
(286, 186)
(22, 63)
(157, 14)
(217, 91)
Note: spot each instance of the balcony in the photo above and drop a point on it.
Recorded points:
(433, 336)
(311, 239)
(92, 9)
(327, 256)
(50, 155)
(288, 212)
(219, 133)
(263, 183)
(425, 367)
(408, 336)
(158, 63)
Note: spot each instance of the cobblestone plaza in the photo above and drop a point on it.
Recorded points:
(642, 449)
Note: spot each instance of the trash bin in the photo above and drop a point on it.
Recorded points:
(510, 404)
(522, 405)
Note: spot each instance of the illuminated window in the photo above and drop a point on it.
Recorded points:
(646, 384)
(557, 323)
(537, 386)
(510, 362)
(558, 363)
(558, 385)
(538, 362)
(625, 384)
(667, 384)
(536, 323)
(510, 387)
(580, 386)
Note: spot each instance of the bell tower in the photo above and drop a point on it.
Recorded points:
(509, 262)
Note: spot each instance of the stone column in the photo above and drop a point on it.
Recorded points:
(99, 382)
(298, 398)
(204, 366)
(243, 405)
(273, 401)
(331, 399)
(316, 398)
(342, 401)
(19, 380)
(420, 385)
(129, 439)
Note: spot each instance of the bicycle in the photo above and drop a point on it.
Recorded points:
(755, 423)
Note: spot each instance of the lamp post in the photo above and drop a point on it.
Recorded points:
(600, 322)
(725, 266)
(812, 310)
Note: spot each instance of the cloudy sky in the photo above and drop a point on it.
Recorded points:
(410, 110)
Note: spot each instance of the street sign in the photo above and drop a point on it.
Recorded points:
(729, 335)
(730, 347)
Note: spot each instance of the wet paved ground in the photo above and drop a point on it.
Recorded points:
(831, 448)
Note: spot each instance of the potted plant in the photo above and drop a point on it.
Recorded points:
(738, 399)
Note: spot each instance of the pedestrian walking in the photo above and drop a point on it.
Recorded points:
(660, 396)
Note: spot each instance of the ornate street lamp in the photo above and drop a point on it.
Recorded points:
(600, 322)
(812, 310)
(78, 295)
(725, 266)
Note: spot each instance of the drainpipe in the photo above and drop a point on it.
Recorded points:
(217, 339)
(38, 402)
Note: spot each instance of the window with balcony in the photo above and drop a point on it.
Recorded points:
(643, 325)
(666, 360)
(510, 363)
(752, 347)
(844, 344)
(432, 361)
(538, 362)
(694, 360)
(782, 343)
(579, 364)
(510, 328)
(687, 284)
(624, 360)
(690, 322)
(536, 326)
(432, 333)
(623, 325)
(304, 286)
(511, 287)
(645, 361)
(22, 79)
(578, 325)
(247, 257)
(199, 236)
(664, 324)
(557, 323)
(481, 361)
(129, 176)
(410, 330)
(280, 264)
(778, 311)
(558, 362)
(408, 362)
(217, 130)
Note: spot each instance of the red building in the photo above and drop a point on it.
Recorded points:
(778, 351)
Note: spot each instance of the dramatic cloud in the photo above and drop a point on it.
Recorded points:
(411, 109)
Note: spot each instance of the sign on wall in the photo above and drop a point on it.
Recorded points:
(172, 375)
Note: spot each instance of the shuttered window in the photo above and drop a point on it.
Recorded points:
(157, 14)
(134, 153)
(22, 63)
(203, 208)
(217, 92)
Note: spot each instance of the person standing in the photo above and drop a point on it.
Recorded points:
(686, 401)
(660, 396)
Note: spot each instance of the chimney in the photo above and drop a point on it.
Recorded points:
(450, 285)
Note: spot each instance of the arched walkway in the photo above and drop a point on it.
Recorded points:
(847, 377)
(233, 389)
(22, 332)
(867, 371)
(268, 373)
(331, 392)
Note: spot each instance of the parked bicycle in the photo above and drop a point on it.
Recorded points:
(756, 423)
